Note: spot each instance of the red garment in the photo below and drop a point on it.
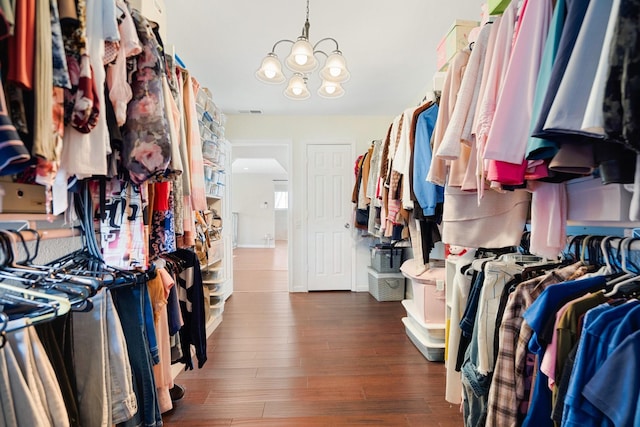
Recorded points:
(22, 45)
(161, 196)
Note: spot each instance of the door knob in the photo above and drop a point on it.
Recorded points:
(347, 225)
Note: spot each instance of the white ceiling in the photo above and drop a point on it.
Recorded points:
(263, 166)
(390, 47)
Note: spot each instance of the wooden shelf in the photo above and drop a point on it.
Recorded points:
(28, 217)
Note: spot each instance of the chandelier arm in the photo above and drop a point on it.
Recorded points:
(273, 49)
(325, 39)
(322, 52)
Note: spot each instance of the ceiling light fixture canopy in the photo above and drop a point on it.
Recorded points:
(302, 61)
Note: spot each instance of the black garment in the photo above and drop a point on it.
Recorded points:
(192, 305)
(55, 336)
(621, 106)
(429, 231)
(616, 162)
(563, 385)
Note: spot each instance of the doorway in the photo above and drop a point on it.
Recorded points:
(259, 201)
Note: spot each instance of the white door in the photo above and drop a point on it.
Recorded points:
(330, 179)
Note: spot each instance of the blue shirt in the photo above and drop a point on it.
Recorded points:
(427, 193)
(592, 352)
(615, 387)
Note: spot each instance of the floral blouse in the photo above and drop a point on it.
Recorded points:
(147, 146)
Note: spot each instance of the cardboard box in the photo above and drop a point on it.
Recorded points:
(23, 198)
(456, 39)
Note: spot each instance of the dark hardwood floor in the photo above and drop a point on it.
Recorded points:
(317, 359)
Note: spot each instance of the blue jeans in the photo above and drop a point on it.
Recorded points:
(130, 304)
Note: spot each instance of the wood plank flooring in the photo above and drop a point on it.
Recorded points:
(304, 360)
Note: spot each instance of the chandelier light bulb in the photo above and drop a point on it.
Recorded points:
(330, 89)
(301, 59)
(270, 70)
(335, 68)
(297, 88)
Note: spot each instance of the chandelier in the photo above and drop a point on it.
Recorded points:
(302, 61)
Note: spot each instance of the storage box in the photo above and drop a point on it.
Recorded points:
(386, 286)
(386, 260)
(433, 352)
(456, 39)
(429, 299)
(590, 200)
(428, 290)
(496, 7)
(434, 332)
(23, 198)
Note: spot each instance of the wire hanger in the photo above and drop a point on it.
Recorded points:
(631, 276)
(53, 305)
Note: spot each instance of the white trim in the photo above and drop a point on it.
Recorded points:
(288, 143)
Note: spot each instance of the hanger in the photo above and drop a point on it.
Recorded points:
(605, 251)
(44, 306)
(630, 276)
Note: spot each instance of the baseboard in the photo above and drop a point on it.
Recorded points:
(256, 246)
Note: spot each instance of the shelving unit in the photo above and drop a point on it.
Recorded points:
(217, 270)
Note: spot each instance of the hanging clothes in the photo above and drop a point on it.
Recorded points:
(508, 392)
(593, 121)
(438, 168)
(191, 297)
(507, 139)
(146, 146)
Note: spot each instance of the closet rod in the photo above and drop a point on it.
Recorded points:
(52, 233)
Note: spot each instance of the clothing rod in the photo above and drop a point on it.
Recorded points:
(53, 233)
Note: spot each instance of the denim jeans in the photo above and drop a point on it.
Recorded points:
(475, 386)
(130, 304)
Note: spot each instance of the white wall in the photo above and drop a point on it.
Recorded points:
(301, 131)
(282, 216)
(252, 198)
(281, 225)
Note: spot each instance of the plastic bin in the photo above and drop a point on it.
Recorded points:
(386, 260)
(433, 352)
(429, 294)
(386, 286)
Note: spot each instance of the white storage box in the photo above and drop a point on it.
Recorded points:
(386, 286)
(432, 351)
(429, 294)
(386, 260)
(434, 332)
(590, 200)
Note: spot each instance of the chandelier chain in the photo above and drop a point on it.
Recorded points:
(307, 10)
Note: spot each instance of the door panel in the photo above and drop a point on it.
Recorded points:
(329, 182)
